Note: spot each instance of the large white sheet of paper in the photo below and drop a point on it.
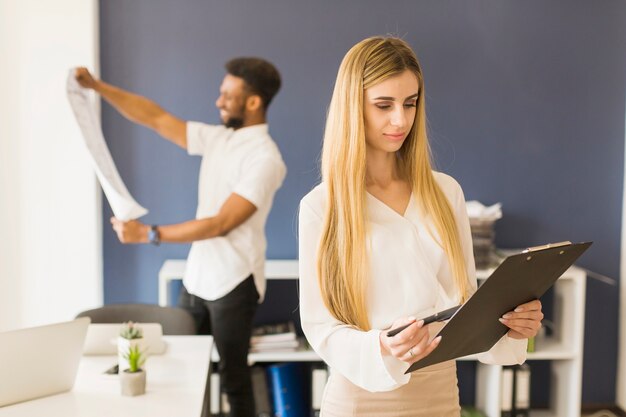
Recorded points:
(122, 203)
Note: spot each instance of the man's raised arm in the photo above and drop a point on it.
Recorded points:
(137, 108)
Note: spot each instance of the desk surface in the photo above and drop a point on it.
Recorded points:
(175, 386)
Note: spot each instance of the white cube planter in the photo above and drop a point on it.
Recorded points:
(133, 383)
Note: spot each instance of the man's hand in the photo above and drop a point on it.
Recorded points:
(524, 321)
(132, 231)
(84, 78)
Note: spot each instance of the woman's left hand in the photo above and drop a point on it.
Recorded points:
(524, 321)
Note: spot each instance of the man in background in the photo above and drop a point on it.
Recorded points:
(241, 170)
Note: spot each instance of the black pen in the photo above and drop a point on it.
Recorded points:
(440, 316)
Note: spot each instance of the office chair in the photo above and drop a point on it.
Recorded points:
(174, 320)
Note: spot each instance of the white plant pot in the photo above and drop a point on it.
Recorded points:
(133, 383)
(123, 345)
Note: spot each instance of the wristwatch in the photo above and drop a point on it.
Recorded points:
(153, 235)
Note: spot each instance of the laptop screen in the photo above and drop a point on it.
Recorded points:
(40, 361)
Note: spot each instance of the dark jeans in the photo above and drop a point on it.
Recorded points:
(230, 321)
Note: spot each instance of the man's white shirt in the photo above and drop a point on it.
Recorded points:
(248, 163)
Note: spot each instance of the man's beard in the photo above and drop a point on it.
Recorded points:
(234, 122)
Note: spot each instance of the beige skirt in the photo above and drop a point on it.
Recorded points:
(431, 392)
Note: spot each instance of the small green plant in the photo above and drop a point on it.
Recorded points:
(131, 331)
(136, 358)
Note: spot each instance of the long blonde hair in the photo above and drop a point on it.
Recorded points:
(342, 264)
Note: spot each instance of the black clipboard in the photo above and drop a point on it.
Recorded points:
(519, 278)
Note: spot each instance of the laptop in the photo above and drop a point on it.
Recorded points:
(40, 361)
(102, 338)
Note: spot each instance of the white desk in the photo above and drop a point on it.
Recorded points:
(175, 386)
(174, 269)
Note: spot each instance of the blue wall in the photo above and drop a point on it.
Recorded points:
(526, 102)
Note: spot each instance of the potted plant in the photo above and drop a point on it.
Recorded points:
(133, 379)
(130, 335)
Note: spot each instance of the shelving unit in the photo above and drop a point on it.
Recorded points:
(173, 269)
(563, 349)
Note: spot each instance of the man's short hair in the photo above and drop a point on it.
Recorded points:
(261, 77)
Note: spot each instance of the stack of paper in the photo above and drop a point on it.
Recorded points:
(274, 337)
(482, 219)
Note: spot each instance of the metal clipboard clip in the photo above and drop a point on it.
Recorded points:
(548, 246)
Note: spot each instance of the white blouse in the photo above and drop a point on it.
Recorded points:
(410, 276)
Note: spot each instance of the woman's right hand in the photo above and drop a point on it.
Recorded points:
(411, 344)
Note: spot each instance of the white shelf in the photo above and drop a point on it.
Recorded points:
(174, 269)
(297, 356)
(547, 350)
(552, 350)
(564, 349)
(543, 413)
(302, 355)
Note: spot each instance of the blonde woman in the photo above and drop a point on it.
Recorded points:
(385, 240)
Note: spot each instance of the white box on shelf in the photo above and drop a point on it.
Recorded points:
(174, 269)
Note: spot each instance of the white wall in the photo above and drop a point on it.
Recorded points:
(9, 207)
(50, 228)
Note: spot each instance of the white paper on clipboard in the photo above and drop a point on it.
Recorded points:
(122, 203)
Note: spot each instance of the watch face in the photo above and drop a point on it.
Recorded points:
(153, 235)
